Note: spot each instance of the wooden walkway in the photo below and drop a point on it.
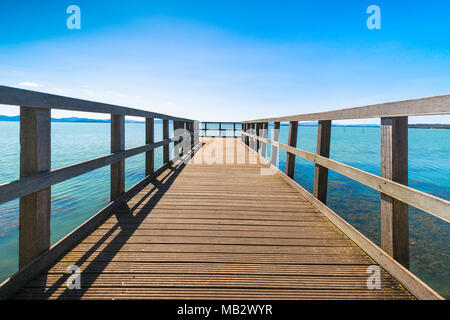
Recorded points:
(216, 231)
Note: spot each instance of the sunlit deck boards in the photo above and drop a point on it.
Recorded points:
(212, 231)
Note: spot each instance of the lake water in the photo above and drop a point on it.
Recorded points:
(77, 199)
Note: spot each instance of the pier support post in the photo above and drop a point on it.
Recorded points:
(254, 145)
(394, 166)
(196, 132)
(292, 141)
(165, 137)
(275, 137)
(258, 133)
(264, 128)
(322, 149)
(191, 130)
(35, 208)
(244, 128)
(177, 126)
(117, 144)
(149, 139)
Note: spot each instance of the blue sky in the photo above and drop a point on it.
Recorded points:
(228, 60)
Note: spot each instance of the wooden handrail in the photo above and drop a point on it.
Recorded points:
(413, 107)
(28, 98)
(22, 187)
(438, 207)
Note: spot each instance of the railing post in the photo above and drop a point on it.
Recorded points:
(220, 129)
(258, 132)
(196, 132)
(117, 144)
(234, 130)
(149, 139)
(245, 127)
(274, 151)
(177, 125)
(264, 127)
(35, 208)
(322, 149)
(394, 166)
(165, 137)
(254, 133)
(191, 133)
(292, 141)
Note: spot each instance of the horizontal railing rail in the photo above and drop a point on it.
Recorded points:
(438, 207)
(392, 183)
(204, 128)
(28, 98)
(413, 107)
(22, 187)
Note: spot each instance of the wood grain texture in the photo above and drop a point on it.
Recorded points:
(28, 98)
(292, 142)
(322, 149)
(117, 145)
(29, 184)
(35, 208)
(165, 134)
(203, 231)
(438, 207)
(149, 139)
(413, 107)
(394, 166)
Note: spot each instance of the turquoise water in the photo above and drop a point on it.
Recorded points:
(75, 200)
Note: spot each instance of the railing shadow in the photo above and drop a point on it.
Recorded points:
(124, 217)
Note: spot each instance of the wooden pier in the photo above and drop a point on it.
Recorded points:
(219, 220)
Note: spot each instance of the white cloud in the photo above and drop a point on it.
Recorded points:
(28, 84)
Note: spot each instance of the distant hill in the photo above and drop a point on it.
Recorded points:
(307, 124)
(72, 119)
(430, 126)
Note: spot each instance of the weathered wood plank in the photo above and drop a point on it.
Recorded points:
(413, 107)
(275, 137)
(28, 98)
(438, 207)
(394, 166)
(35, 208)
(26, 185)
(322, 149)
(117, 145)
(165, 136)
(149, 139)
(292, 141)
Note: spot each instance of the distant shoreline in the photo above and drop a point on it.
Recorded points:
(307, 124)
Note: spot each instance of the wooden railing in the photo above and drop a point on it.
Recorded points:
(220, 128)
(37, 177)
(393, 182)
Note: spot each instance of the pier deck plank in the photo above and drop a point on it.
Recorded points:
(206, 230)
